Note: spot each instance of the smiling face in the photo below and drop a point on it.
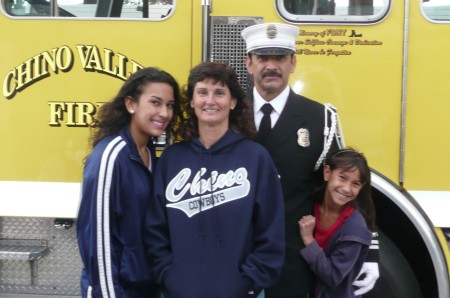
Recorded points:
(271, 73)
(343, 185)
(152, 111)
(212, 102)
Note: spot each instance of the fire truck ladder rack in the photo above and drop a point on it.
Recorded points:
(29, 250)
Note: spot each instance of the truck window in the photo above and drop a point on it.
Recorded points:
(121, 9)
(436, 10)
(333, 11)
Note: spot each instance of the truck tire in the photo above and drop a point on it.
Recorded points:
(397, 280)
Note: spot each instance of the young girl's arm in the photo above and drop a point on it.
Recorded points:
(345, 252)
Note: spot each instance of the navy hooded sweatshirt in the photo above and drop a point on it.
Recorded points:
(216, 225)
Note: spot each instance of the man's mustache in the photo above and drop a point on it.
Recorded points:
(271, 73)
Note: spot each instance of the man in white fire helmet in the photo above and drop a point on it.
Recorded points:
(297, 132)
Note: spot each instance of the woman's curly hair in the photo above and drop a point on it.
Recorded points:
(240, 118)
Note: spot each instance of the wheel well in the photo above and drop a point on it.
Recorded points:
(403, 233)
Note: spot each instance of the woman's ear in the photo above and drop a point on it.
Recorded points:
(130, 104)
(233, 103)
(326, 172)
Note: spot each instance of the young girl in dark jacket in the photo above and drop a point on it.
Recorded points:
(337, 237)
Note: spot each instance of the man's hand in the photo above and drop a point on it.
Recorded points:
(371, 274)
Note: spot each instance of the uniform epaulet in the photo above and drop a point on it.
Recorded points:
(330, 131)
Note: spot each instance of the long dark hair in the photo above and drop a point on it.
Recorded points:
(349, 159)
(113, 115)
(240, 118)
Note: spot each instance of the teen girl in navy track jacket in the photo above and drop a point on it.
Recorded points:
(117, 186)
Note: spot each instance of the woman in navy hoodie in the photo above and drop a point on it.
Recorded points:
(216, 225)
(117, 186)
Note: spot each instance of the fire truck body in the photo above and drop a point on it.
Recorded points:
(383, 64)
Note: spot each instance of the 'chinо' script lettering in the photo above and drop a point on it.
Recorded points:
(180, 184)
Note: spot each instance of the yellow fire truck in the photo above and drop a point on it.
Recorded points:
(382, 63)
